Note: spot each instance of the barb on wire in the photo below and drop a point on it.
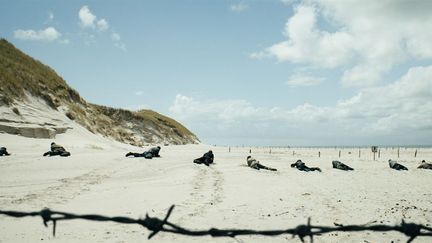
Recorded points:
(156, 225)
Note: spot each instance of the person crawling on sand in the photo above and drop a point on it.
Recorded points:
(155, 151)
(206, 159)
(425, 165)
(395, 165)
(57, 149)
(152, 152)
(341, 166)
(255, 164)
(3, 151)
(302, 166)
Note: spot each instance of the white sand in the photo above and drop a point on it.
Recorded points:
(98, 179)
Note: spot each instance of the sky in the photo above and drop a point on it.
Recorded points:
(259, 72)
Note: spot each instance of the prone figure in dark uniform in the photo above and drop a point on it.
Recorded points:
(57, 149)
(206, 159)
(155, 151)
(341, 166)
(152, 152)
(255, 164)
(4, 152)
(395, 165)
(302, 166)
(425, 165)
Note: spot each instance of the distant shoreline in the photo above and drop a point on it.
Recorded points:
(332, 146)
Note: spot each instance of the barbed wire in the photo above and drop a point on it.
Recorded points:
(156, 225)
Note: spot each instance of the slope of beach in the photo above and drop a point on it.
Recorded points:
(98, 179)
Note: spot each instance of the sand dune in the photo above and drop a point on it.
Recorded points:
(97, 178)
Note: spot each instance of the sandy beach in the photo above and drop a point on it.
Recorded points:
(106, 81)
(99, 179)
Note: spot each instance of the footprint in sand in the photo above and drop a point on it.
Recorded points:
(67, 189)
(207, 190)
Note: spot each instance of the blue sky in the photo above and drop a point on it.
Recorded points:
(275, 72)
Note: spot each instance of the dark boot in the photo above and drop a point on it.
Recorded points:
(260, 166)
(65, 154)
(346, 167)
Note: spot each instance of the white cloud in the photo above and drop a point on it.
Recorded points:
(298, 80)
(115, 36)
(87, 18)
(240, 7)
(307, 44)
(102, 25)
(367, 40)
(399, 109)
(117, 41)
(403, 105)
(361, 75)
(226, 111)
(48, 34)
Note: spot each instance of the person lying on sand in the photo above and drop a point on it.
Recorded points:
(57, 149)
(255, 164)
(302, 166)
(206, 159)
(155, 151)
(152, 152)
(341, 166)
(425, 165)
(395, 165)
(3, 151)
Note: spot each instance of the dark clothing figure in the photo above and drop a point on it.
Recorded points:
(57, 150)
(206, 159)
(341, 166)
(155, 151)
(395, 165)
(302, 166)
(3, 151)
(255, 164)
(152, 152)
(425, 165)
(145, 154)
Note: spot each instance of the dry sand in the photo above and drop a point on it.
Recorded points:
(98, 179)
